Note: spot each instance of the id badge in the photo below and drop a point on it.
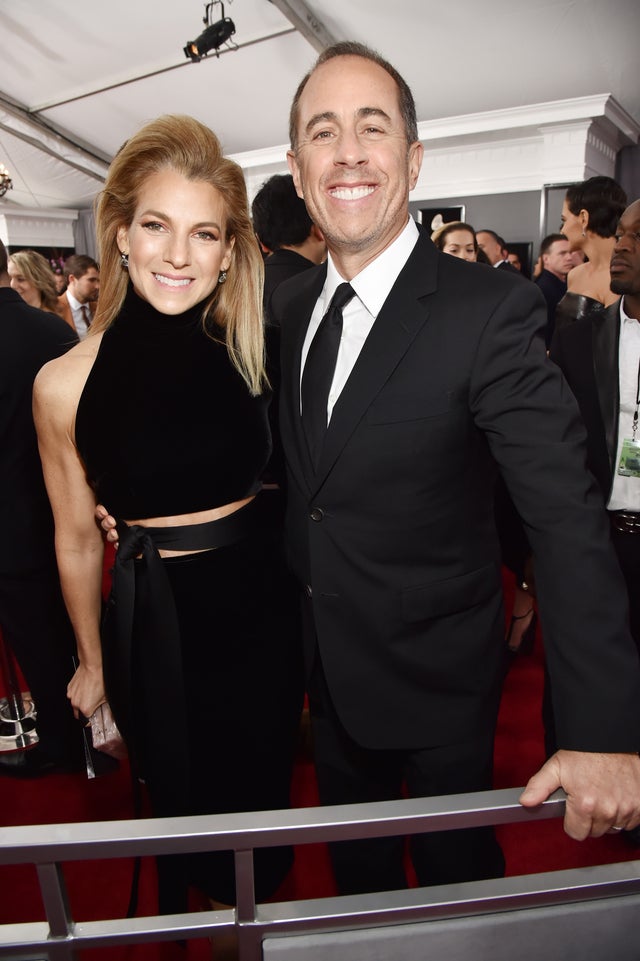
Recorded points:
(629, 465)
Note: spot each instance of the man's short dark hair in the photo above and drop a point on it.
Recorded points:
(603, 199)
(549, 241)
(280, 217)
(4, 259)
(78, 265)
(350, 48)
(498, 239)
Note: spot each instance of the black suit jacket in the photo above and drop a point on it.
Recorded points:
(553, 290)
(28, 339)
(395, 531)
(587, 353)
(278, 267)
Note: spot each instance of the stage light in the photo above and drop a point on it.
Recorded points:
(6, 183)
(212, 37)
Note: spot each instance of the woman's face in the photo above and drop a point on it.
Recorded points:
(572, 228)
(460, 243)
(176, 243)
(28, 291)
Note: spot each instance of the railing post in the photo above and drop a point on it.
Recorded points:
(249, 940)
(56, 905)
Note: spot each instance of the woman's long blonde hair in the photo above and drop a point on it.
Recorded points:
(180, 143)
(38, 272)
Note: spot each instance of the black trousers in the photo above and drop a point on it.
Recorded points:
(35, 625)
(349, 773)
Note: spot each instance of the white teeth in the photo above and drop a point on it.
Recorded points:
(170, 282)
(351, 193)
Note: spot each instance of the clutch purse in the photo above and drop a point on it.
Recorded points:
(105, 735)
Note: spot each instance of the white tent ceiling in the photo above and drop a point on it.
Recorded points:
(95, 72)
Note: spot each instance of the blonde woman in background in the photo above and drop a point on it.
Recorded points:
(32, 278)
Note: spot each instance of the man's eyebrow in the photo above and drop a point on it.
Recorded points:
(373, 112)
(320, 118)
(331, 116)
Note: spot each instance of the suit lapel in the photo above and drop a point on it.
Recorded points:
(396, 326)
(605, 333)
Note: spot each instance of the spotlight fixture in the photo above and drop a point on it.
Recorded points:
(212, 37)
(6, 183)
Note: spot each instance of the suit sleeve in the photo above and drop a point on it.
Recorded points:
(521, 402)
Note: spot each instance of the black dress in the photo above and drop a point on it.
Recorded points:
(574, 307)
(166, 426)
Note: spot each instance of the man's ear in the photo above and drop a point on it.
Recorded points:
(294, 170)
(416, 153)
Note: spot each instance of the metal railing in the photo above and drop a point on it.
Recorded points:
(59, 938)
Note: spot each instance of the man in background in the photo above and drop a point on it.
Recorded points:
(556, 260)
(78, 302)
(599, 356)
(286, 233)
(33, 618)
(495, 250)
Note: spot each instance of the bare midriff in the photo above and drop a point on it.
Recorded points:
(184, 520)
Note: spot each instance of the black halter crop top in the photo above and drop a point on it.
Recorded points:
(165, 424)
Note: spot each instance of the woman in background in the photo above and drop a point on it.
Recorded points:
(590, 216)
(162, 414)
(458, 239)
(32, 278)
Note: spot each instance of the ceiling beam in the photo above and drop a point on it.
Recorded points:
(306, 23)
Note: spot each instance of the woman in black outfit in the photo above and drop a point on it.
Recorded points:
(162, 414)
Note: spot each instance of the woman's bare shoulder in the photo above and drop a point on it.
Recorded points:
(64, 378)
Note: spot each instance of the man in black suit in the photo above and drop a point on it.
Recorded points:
(557, 261)
(285, 232)
(33, 618)
(599, 356)
(494, 248)
(441, 379)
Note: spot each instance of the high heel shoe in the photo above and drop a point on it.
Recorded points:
(528, 637)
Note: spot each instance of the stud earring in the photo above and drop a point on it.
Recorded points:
(124, 260)
(222, 276)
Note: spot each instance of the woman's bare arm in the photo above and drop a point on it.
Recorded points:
(79, 546)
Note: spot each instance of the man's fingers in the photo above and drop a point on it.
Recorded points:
(541, 785)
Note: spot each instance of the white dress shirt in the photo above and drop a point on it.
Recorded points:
(372, 287)
(625, 491)
(78, 315)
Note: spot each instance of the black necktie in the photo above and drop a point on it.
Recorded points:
(86, 315)
(319, 369)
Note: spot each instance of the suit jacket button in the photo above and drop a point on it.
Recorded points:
(316, 514)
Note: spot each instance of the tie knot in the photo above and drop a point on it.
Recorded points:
(341, 297)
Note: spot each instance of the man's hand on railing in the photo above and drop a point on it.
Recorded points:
(603, 791)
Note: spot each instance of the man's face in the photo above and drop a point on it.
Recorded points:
(87, 287)
(490, 246)
(558, 259)
(353, 165)
(625, 262)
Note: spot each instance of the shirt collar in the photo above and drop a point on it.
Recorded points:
(73, 303)
(624, 316)
(373, 284)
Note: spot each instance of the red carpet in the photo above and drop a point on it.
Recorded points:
(99, 890)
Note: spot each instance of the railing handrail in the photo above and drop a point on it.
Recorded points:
(83, 840)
